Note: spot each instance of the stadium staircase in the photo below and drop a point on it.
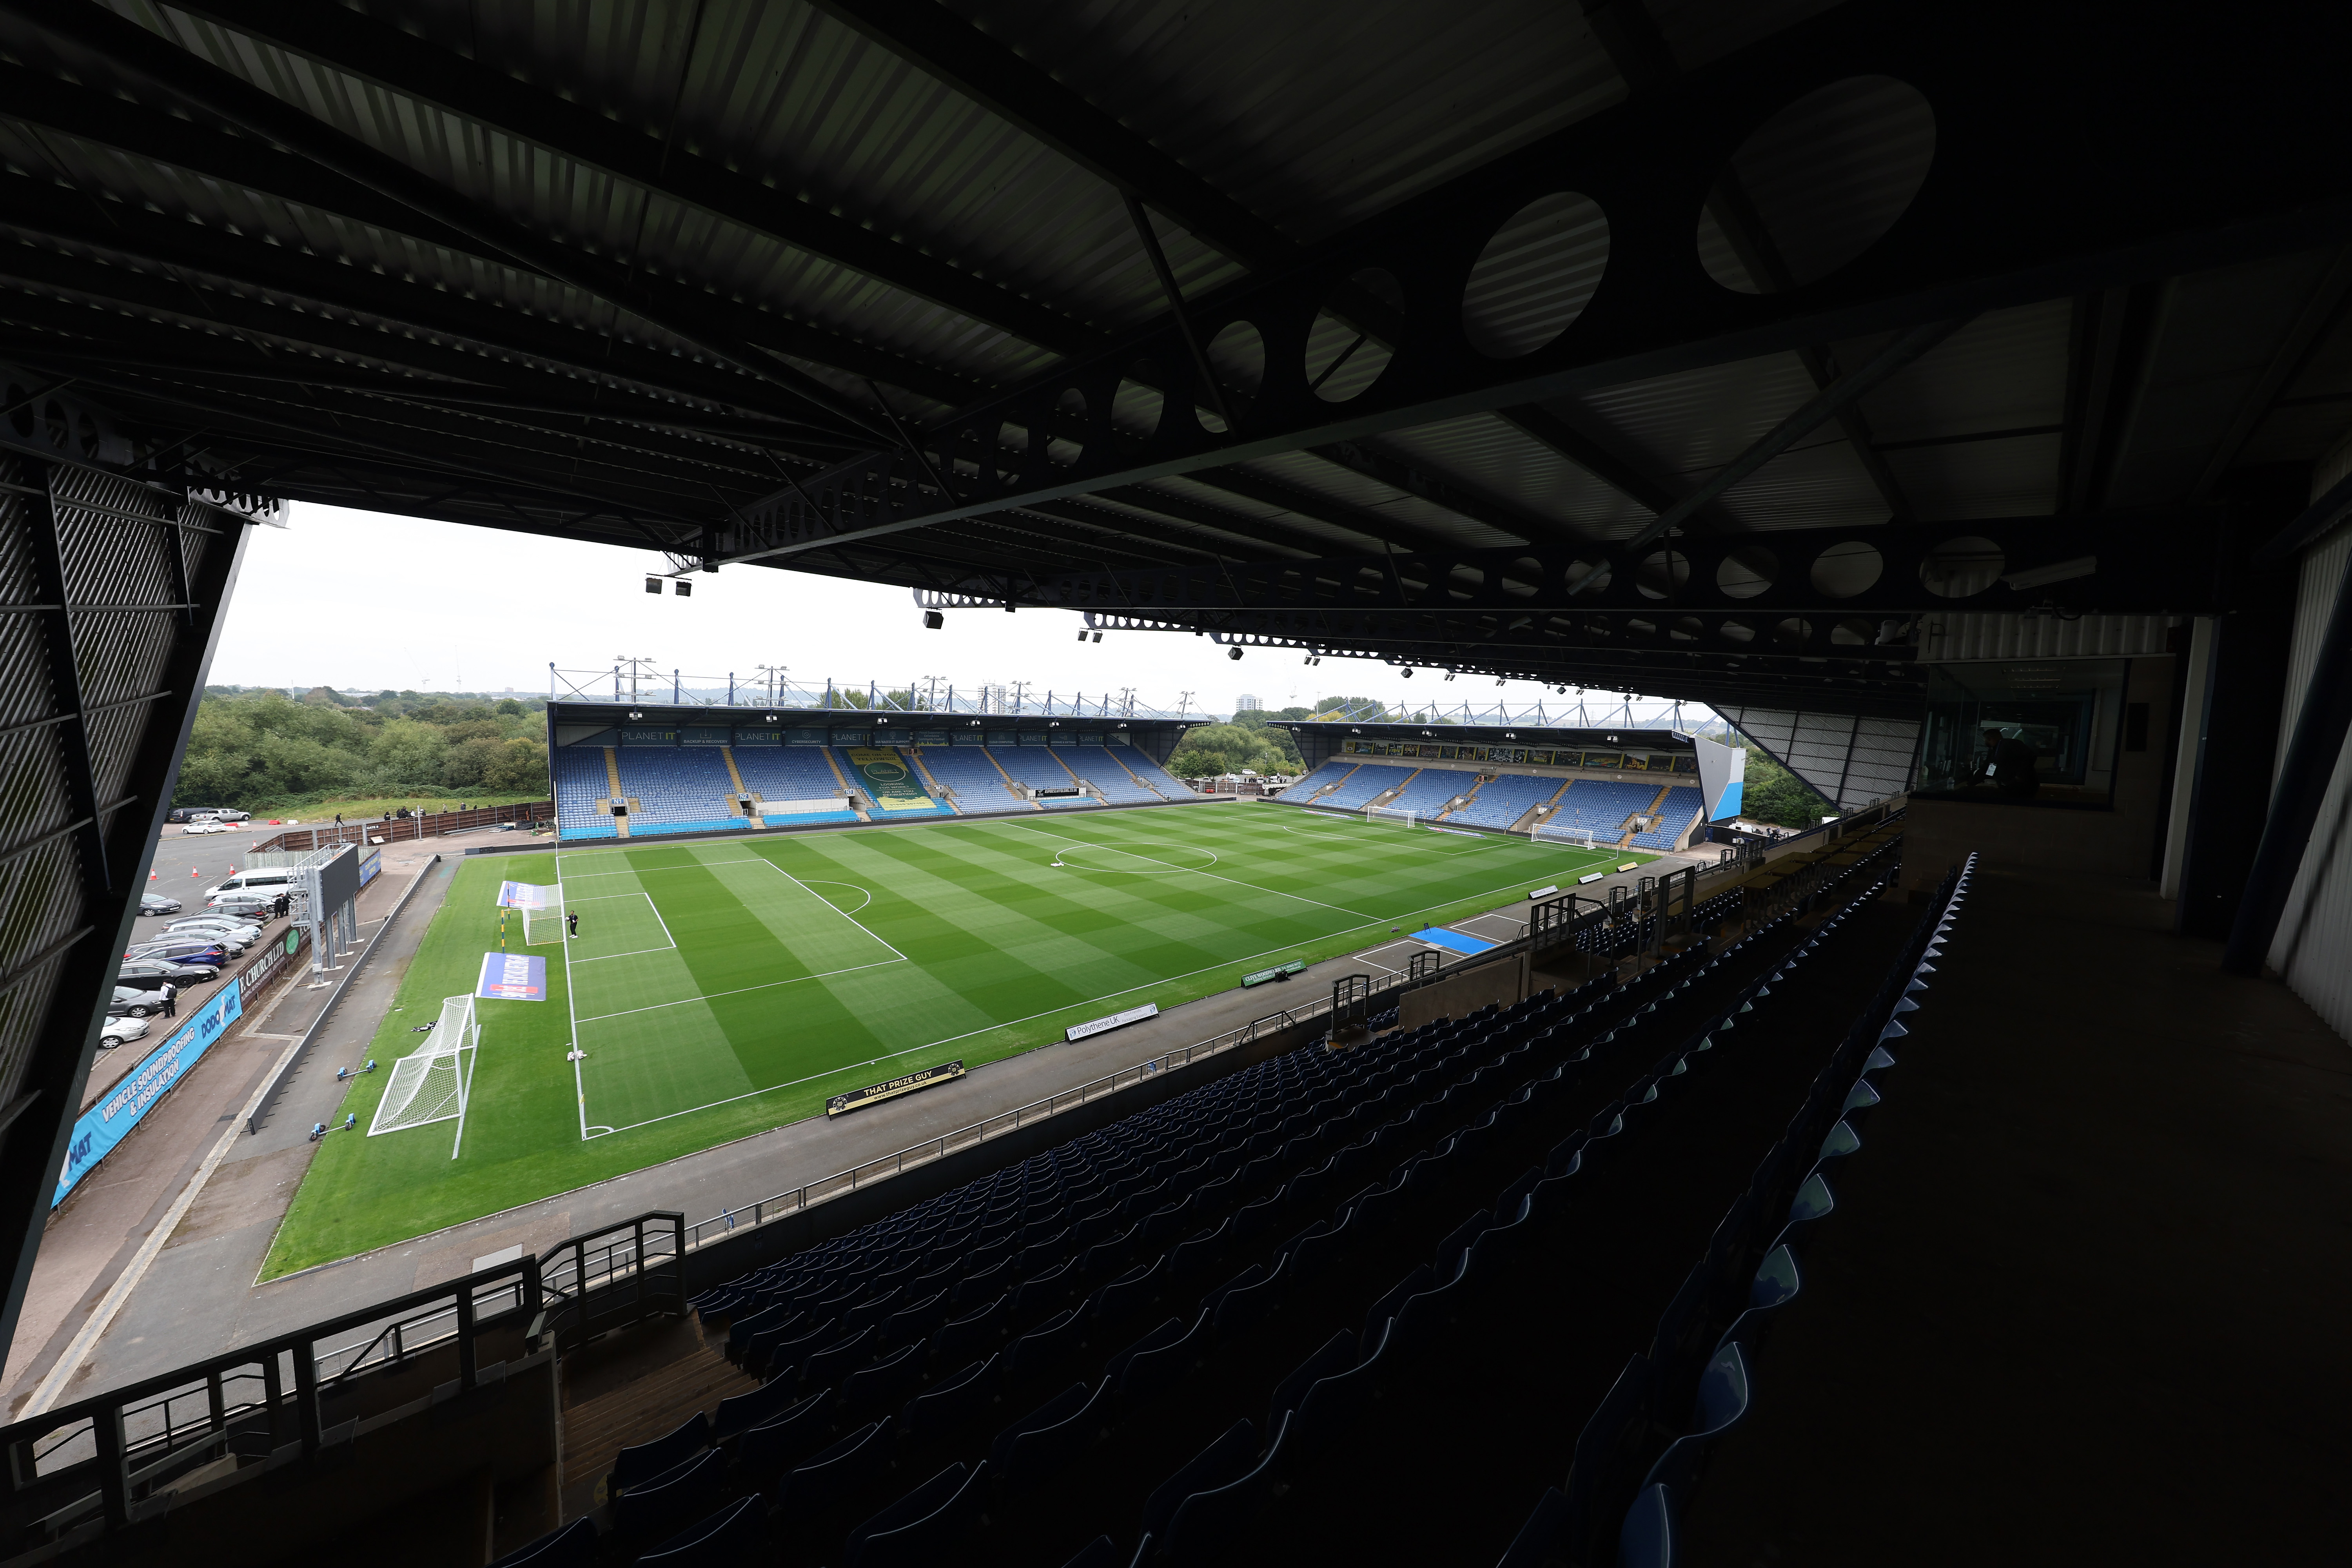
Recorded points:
(774, 774)
(1430, 791)
(750, 812)
(1675, 807)
(677, 789)
(1505, 800)
(1321, 780)
(1225, 1329)
(842, 780)
(1021, 765)
(969, 777)
(1151, 776)
(584, 779)
(1127, 787)
(1362, 787)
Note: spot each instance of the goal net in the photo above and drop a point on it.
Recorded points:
(429, 1084)
(1391, 814)
(542, 927)
(1560, 833)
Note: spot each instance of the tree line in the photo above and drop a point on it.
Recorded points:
(262, 748)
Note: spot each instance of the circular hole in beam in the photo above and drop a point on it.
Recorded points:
(1849, 567)
(1745, 573)
(1960, 567)
(1817, 184)
(1536, 275)
(1349, 346)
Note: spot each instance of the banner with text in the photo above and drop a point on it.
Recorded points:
(105, 1124)
(512, 977)
(528, 896)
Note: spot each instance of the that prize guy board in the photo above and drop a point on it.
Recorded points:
(721, 987)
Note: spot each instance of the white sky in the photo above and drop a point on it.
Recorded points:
(368, 600)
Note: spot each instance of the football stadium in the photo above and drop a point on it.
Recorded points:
(762, 952)
(1799, 1016)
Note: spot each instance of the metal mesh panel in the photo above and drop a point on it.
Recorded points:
(1851, 762)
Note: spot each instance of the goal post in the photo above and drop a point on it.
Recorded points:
(430, 1084)
(1410, 818)
(542, 928)
(1560, 833)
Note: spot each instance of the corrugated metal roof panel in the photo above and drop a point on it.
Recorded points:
(1493, 457)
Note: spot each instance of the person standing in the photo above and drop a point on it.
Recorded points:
(572, 925)
(170, 1000)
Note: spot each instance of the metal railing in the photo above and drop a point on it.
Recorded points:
(624, 1273)
(1017, 698)
(96, 1460)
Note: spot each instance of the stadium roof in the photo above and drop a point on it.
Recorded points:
(1662, 347)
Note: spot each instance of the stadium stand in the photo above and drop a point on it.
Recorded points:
(678, 789)
(1433, 789)
(1504, 799)
(1107, 768)
(580, 781)
(1682, 802)
(914, 784)
(1601, 806)
(1362, 787)
(979, 789)
(1110, 1350)
(1322, 776)
(1039, 767)
(790, 773)
(1152, 775)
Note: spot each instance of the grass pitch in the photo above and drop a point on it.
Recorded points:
(723, 987)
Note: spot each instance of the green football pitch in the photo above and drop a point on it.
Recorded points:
(719, 988)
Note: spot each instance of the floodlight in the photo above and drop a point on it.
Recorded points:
(653, 584)
(1232, 653)
(1082, 634)
(933, 620)
(636, 713)
(685, 589)
(1098, 637)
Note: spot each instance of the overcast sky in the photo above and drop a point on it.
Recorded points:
(354, 599)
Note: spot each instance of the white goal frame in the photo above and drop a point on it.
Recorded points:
(432, 1083)
(1558, 833)
(542, 928)
(1405, 814)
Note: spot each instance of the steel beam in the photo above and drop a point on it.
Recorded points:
(139, 52)
(404, 63)
(2026, 200)
(83, 884)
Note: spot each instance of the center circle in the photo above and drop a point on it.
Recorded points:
(1149, 860)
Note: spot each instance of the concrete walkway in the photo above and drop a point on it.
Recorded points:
(199, 1295)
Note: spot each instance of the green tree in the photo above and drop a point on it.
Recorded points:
(511, 708)
(409, 751)
(1772, 794)
(520, 765)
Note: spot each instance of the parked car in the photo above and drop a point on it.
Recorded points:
(118, 1030)
(267, 880)
(148, 973)
(229, 926)
(251, 908)
(181, 950)
(130, 1000)
(208, 824)
(219, 814)
(190, 813)
(157, 904)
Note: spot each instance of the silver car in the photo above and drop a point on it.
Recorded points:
(231, 938)
(118, 1030)
(129, 1001)
(216, 925)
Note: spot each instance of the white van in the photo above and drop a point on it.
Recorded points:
(270, 881)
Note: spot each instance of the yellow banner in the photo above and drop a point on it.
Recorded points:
(888, 778)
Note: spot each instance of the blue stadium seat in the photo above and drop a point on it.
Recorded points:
(1503, 800)
(1601, 806)
(1227, 1459)
(979, 789)
(667, 1502)
(678, 789)
(731, 1537)
(1207, 1523)
(1361, 787)
(791, 773)
(832, 1472)
(640, 1464)
(573, 1546)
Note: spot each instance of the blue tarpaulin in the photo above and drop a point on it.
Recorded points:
(1451, 941)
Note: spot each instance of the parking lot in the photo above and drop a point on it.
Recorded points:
(185, 865)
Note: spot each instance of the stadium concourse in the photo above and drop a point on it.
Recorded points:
(1952, 403)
